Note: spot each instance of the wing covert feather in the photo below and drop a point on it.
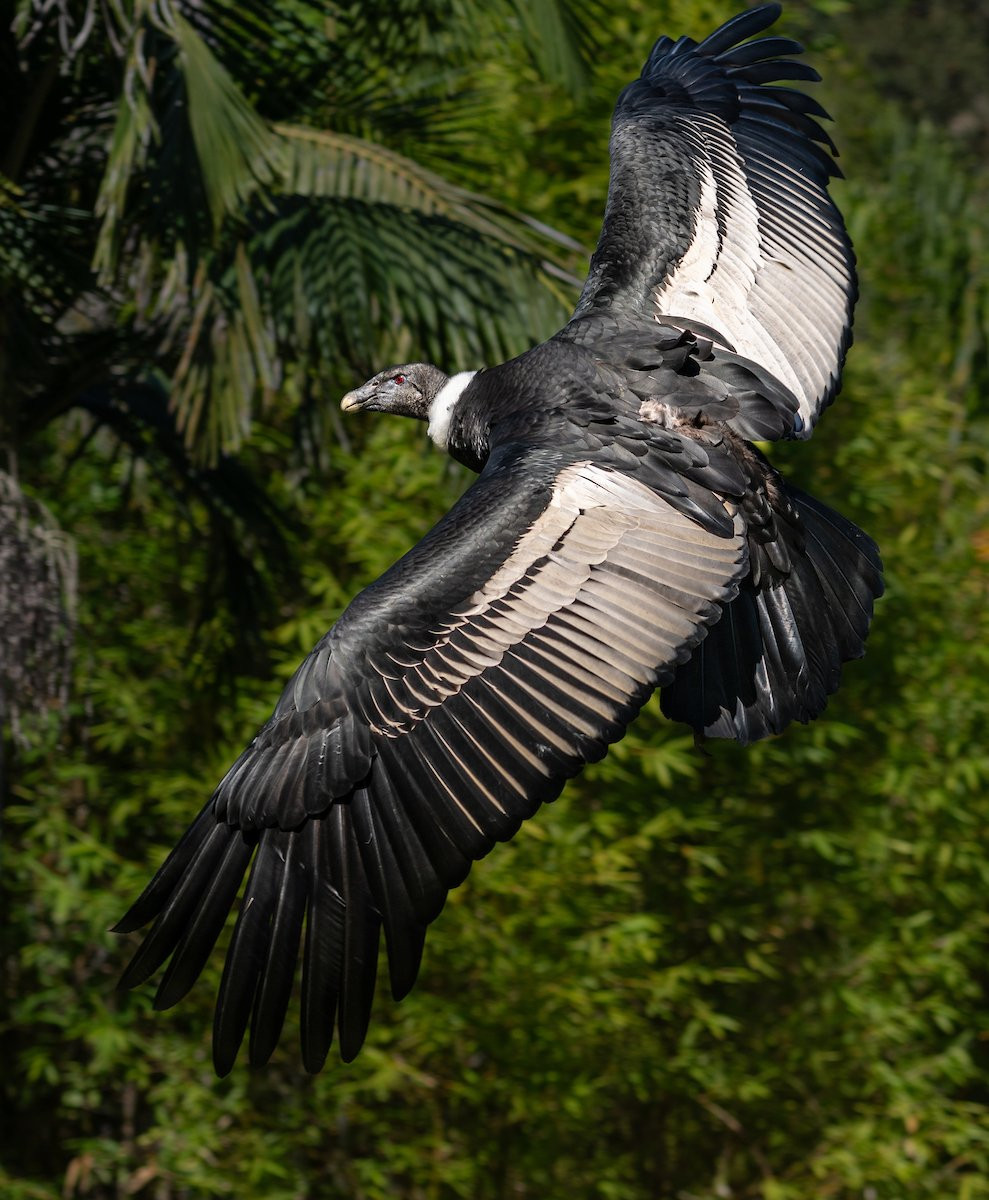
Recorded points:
(455, 708)
(519, 638)
(718, 211)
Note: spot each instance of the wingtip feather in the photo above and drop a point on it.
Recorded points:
(745, 25)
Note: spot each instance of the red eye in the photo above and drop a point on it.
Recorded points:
(398, 379)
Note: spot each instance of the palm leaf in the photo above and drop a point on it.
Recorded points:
(133, 131)
(245, 255)
(558, 34)
(560, 37)
(327, 163)
(235, 149)
(327, 281)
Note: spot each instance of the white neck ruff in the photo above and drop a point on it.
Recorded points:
(441, 409)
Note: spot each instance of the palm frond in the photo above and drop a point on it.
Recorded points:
(558, 34)
(39, 260)
(228, 356)
(254, 39)
(235, 149)
(345, 281)
(560, 37)
(337, 165)
(243, 254)
(185, 131)
(133, 131)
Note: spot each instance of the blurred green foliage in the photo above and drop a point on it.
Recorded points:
(701, 974)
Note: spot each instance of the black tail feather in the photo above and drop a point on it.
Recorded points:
(776, 654)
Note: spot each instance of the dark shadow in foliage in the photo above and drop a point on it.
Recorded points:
(250, 536)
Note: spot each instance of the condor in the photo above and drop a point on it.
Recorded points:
(623, 535)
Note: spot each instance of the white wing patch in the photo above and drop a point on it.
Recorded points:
(765, 267)
(608, 573)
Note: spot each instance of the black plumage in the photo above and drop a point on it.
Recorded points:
(624, 535)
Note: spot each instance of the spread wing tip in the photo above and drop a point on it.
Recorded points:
(762, 255)
(727, 74)
(743, 25)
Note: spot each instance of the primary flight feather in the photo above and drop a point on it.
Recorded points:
(623, 535)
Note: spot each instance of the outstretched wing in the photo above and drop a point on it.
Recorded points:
(718, 210)
(457, 693)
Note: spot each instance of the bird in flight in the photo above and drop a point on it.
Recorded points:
(624, 534)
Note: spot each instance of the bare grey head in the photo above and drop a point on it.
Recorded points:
(413, 390)
(407, 390)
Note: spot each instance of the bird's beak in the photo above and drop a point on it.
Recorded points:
(351, 401)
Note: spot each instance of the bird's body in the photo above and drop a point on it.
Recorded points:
(624, 534)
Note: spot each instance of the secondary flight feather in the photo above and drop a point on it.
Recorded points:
(623, 535)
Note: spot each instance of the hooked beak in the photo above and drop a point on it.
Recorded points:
(351, 401)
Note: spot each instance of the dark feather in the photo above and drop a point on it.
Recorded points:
(201, 934)
(248, 953)
(770, 47)
(776, 655)
(181, 905)
(323, 956)
(156, 894)
(291, 885)
(622, 535)
(736, 30)
(361, 927)
(404, 934)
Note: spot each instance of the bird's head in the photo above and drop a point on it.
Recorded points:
(407, 390)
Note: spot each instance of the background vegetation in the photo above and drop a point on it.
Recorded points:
(699, 975)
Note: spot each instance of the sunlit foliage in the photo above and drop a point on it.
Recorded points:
(702, 973)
